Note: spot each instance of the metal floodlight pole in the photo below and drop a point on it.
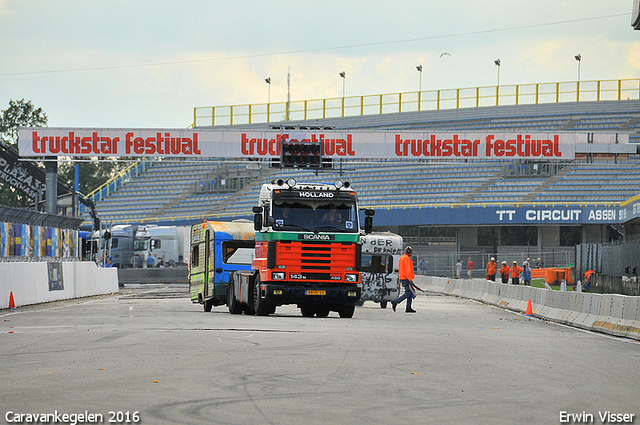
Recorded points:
(419, 68)
(268, 81)
(579, 59)
(344, 82)
(497, 62)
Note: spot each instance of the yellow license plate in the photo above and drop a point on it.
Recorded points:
(315, 292)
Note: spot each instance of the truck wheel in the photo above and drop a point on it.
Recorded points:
(307, 310)
(346, 311)
(322, 311)
(259, 305)
(232, 302)
(383, 304)
(207, 305)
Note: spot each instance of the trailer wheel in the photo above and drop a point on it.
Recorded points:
(232, 302)
(346, 311)
(207, 305)
(260, 306)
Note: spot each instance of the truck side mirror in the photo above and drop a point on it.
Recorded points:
(257, 222)
(368, 220)
(257, 218)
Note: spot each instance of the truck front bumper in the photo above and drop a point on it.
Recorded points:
(280, 294)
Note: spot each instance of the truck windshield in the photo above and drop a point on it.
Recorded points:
(140, 244)
(316, 217)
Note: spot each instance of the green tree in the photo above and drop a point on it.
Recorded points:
(19, 113)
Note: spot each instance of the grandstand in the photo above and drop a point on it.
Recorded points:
(181, 191)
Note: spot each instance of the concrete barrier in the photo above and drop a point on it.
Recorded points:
(31, 284)
(613, 314)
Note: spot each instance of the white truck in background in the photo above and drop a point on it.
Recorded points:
(168, 245)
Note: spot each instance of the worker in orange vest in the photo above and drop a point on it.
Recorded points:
(504, 272)
(406, 275)
(491, 269)
(515, 273)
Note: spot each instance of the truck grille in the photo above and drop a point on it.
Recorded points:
(316, 260)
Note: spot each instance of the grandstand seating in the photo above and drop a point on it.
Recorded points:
(169, 188)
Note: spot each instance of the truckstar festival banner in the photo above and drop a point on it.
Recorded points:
(46, 141)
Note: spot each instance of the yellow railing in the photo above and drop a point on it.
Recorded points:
(521, 94)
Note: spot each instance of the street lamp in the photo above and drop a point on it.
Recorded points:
(579, 59)
(497, 62)
(268, 81)
(419, 68)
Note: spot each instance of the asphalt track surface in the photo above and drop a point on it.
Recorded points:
(149, 350)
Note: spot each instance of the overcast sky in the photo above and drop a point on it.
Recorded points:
(148, 63)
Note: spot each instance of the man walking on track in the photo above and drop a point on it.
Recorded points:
(406, 276)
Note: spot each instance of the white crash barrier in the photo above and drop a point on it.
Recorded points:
(609, 313)
(32, 282)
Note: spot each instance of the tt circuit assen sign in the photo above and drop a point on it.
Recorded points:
(38, 142)
(526, 215)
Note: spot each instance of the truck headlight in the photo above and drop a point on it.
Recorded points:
(278, 275)
(350, 277)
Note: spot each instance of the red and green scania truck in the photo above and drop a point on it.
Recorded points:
(307, 252)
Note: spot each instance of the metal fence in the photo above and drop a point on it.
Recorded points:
(611, 259)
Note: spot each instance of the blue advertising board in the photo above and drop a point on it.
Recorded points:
(501, 215)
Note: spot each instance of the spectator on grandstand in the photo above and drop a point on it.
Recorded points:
(515, 273)
(504, 272)
(458, 269)
(492, 267)
(526, 273)
(539, 263)
(469, 267)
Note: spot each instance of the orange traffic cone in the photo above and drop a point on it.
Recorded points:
(12, 303)
(529, 311)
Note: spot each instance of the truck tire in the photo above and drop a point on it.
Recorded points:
(383, 304)
(232, 302)
(346, 311)
(307, 310)
(260, 306)
(322, 311)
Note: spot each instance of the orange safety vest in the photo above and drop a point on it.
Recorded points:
(405, 266)
(491, 268)
(516, 270)
(504, 270)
